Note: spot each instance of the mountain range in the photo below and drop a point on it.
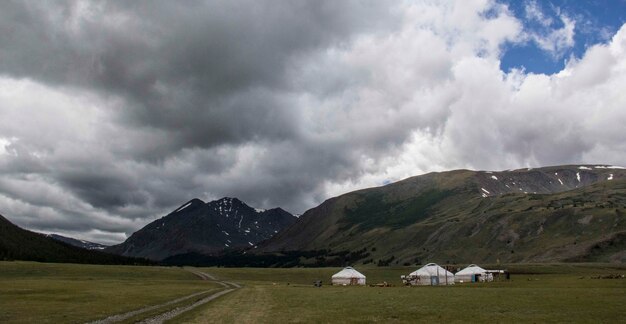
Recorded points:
(207, 228)
(559, 213)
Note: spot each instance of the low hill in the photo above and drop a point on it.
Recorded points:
(561, 213)
(19, 244)
(208, 228)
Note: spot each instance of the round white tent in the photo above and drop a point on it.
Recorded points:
(348, 276)
(432, 275)
(473, 273)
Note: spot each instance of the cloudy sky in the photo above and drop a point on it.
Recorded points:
(113, 113)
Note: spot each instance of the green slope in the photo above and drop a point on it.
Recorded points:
(466, 216)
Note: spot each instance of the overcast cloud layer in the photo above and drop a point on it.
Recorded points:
(113, 114)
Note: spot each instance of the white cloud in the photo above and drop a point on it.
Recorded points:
(423, 94)
(507, 121)
(533, 12)
(556, 41)
(6, 146)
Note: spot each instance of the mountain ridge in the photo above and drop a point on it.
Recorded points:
(413, 218)
(209, 228)
(556, 213)
(78, 243)
(20, 244)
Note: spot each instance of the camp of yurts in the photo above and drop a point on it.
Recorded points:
(473, 273)
(348, 276)
(432, 275)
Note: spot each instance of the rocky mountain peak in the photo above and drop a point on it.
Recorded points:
(192, 204)
(207, 228)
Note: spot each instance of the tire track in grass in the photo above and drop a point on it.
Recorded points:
(202, 275)
(230, 286)
(178, 310)
(125, 316)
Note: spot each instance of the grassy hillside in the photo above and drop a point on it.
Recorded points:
(577, 214)
(19, 244)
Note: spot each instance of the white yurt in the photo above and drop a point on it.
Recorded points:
(432, 275)
(473, 273)
(348, 276)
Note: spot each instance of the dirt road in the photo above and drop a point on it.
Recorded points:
(212, 294)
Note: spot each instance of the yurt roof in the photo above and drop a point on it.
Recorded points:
(471, 269)
(431, 270)
(348, 272)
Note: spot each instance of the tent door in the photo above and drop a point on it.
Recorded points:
(354, 281)
(434, 280)
(476, 278)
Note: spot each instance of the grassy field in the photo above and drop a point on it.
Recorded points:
(536, 293)
(33, 292)
(66, 293)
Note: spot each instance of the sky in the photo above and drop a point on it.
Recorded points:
(114, 113)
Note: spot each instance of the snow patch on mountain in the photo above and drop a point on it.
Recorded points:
(183, 207)
(608, 167)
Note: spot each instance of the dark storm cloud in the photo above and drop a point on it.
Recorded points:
(195, 75)
(301, 168)
(205, 72)
(103, 189)
(115, 113)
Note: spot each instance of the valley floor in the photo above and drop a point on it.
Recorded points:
(60, 293)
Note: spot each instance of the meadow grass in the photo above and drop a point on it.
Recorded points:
(68, 293)
(536, 293)
(32, 292)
